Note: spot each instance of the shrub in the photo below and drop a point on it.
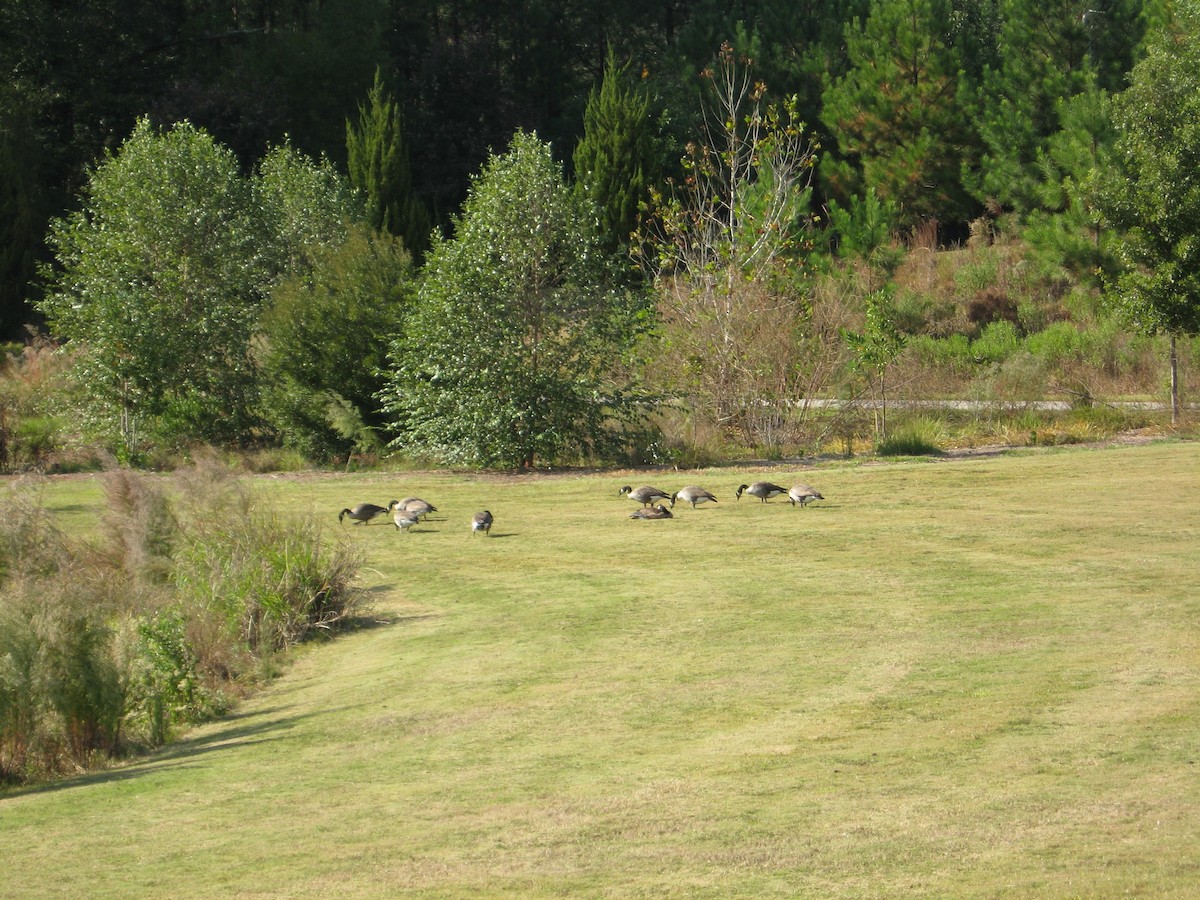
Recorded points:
(1057, 344)
(165, 686)
(977, 276)
(916, 437)
(113, 645)
(996, 343)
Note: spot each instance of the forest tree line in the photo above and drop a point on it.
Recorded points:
(864, 120)
(944, 105)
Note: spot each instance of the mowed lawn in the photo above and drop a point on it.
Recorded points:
(962, 678)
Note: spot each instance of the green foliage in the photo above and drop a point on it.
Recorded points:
(619, 157)
(1152, 194)
(879, 342)
(1049, 53)
(516, 347)
(996, 342)
(378, 159)
(83, 685)
(866, 228)
(325, 337)
(1067, 226)
(273, 581)
(158, 286)
(305, 209)
(161, 278)
(165, 687)
(874, 349)
(894, 113)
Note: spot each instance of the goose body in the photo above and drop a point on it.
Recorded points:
(481, 521)
(652, 512)
(763, 490)
(646, 495)
(693, 494)
(414, 505)
(363, 513)
(803, 494)
(404, 519)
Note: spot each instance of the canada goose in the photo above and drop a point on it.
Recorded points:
(693, 495)
(415, 505)
(803, 494)
(653, 512)
(481, 521)
(363, 513)
(646, 495)
(404, 519)
(762, 490)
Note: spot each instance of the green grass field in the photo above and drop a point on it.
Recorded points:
(967, 678)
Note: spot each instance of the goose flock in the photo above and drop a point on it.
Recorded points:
(408, 513)
(695, 495)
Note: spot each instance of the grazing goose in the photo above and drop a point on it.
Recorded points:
(404, 519)
(363, 513)
(481, 521)
(762, 490)
(646, 495)
(653, 512)
(803, 494)
(416, 506)
(693, 495)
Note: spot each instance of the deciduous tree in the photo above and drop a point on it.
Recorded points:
(728, 239)
(1152, 194)
(517, 346)
(158, 281)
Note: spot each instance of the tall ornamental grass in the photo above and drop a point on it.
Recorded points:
(109, 646)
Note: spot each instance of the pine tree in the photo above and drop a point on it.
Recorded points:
(894, 114)
(1050, 50)
(378, 159)
(617, 159)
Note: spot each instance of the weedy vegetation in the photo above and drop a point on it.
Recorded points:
(113, 642)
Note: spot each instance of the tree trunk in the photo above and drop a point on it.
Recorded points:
(1174, 382)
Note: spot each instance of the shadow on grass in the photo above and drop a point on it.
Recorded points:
(242, 730)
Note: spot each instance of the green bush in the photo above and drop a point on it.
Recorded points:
(951, 354)
(274, 583)
(997, 342)
(977, 276)
(165, 687)
(1057, 343)
(82, 682)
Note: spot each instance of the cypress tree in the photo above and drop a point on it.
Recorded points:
(378, 159)
(617, 160)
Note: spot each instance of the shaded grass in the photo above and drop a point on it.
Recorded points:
(973, 679)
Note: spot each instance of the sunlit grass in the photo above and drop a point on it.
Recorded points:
(968, 678)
